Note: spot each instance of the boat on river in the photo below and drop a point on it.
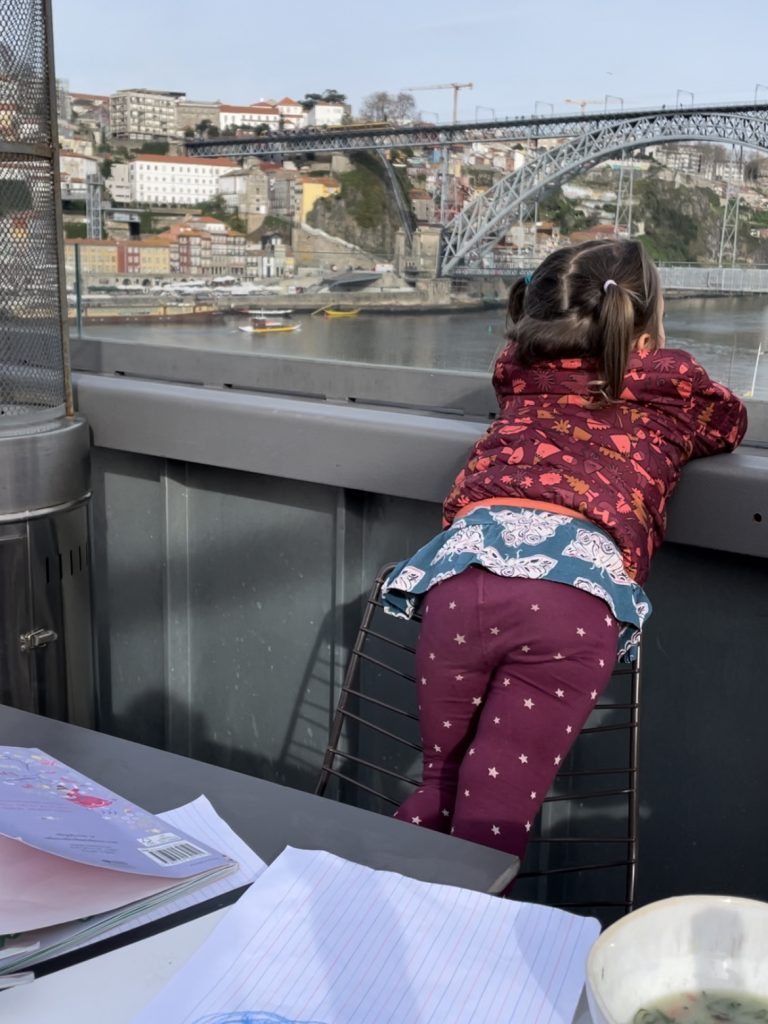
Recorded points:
(270, 312)
(329, 311)
(266, 325)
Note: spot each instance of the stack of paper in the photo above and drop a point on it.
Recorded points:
(72, 850)
(319, 940)
(197, 819)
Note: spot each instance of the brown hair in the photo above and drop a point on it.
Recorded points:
(566, 310)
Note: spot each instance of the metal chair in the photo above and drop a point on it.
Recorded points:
(583, 854)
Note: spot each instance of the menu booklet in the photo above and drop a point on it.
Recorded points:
(71, 849)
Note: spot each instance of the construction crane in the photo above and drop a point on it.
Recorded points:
(451, 85)
(583, 104)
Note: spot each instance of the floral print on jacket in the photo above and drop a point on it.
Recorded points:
(617, 464)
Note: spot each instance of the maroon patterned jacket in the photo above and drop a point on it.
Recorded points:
(617, 465)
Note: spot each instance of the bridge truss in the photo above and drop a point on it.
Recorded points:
(518, 129)
(485, 220)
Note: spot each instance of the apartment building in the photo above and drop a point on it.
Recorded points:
(97, 256)
(231, 117)
(268, 257)
(191, 253)
(246, 191)
(284, 187)
(150, 257)
(227, 252)
(168, 180)
(143, 114)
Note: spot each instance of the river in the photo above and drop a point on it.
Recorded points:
(725, 335)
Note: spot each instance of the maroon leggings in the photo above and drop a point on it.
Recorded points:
(507, 672)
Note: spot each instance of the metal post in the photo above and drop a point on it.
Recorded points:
(729, 236)
(93, 205)
(757, 88)
(543, 103)
(444, 187)
(683, 92)
(619, 193)
(78, 291)
(608, 97)
(751, 392)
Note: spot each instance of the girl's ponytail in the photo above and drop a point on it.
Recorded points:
(516, 300)
(617, 328)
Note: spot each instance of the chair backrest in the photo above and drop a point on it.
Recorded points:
(583, 854)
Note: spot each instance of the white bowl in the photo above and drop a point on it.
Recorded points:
(683, 944)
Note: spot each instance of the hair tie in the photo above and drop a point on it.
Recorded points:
(528, 277)
(610, 282)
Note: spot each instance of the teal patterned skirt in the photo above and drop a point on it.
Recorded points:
(525, 543)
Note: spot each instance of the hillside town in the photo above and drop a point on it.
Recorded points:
(139, 212)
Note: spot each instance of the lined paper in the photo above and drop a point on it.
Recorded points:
(319, 939)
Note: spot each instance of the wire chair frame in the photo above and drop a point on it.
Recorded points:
(559, 859)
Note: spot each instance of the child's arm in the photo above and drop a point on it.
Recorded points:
(719, 418)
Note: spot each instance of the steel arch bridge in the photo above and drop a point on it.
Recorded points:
(485, 220)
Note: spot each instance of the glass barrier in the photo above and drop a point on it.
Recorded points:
(727, 334)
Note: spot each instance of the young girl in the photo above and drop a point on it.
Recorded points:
(537, 579)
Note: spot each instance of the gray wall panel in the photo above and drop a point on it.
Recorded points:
(702, 745)
(260, 569)
(129, 552)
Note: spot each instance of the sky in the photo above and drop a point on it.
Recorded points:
(517, 55)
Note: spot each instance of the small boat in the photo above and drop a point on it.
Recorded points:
(269, 312)
(340, 312)
(263, 325)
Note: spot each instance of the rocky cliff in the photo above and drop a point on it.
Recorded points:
(364, 212)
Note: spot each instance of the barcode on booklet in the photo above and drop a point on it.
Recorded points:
(175, 853)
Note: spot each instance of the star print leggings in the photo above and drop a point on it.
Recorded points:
(507, 671)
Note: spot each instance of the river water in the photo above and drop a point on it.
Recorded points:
(725, 335)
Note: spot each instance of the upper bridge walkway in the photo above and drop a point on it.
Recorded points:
(516, 129)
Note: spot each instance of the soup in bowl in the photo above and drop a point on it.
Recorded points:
(683, 946)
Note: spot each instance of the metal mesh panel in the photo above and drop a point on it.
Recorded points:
(31, 341)
(31, 361)
(25, 114)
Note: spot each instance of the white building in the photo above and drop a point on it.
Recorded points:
(231, 117)
(76, 165)
(169, 180)
(143, 114)
(321, 113)
(292, 113)
(74, 168)
(118, 184)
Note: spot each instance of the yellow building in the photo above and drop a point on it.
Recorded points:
(97, 256)
(150, 256)
(313, 189)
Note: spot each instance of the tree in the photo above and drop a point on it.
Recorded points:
(385, 106)
(207, 128)
(327, 96)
